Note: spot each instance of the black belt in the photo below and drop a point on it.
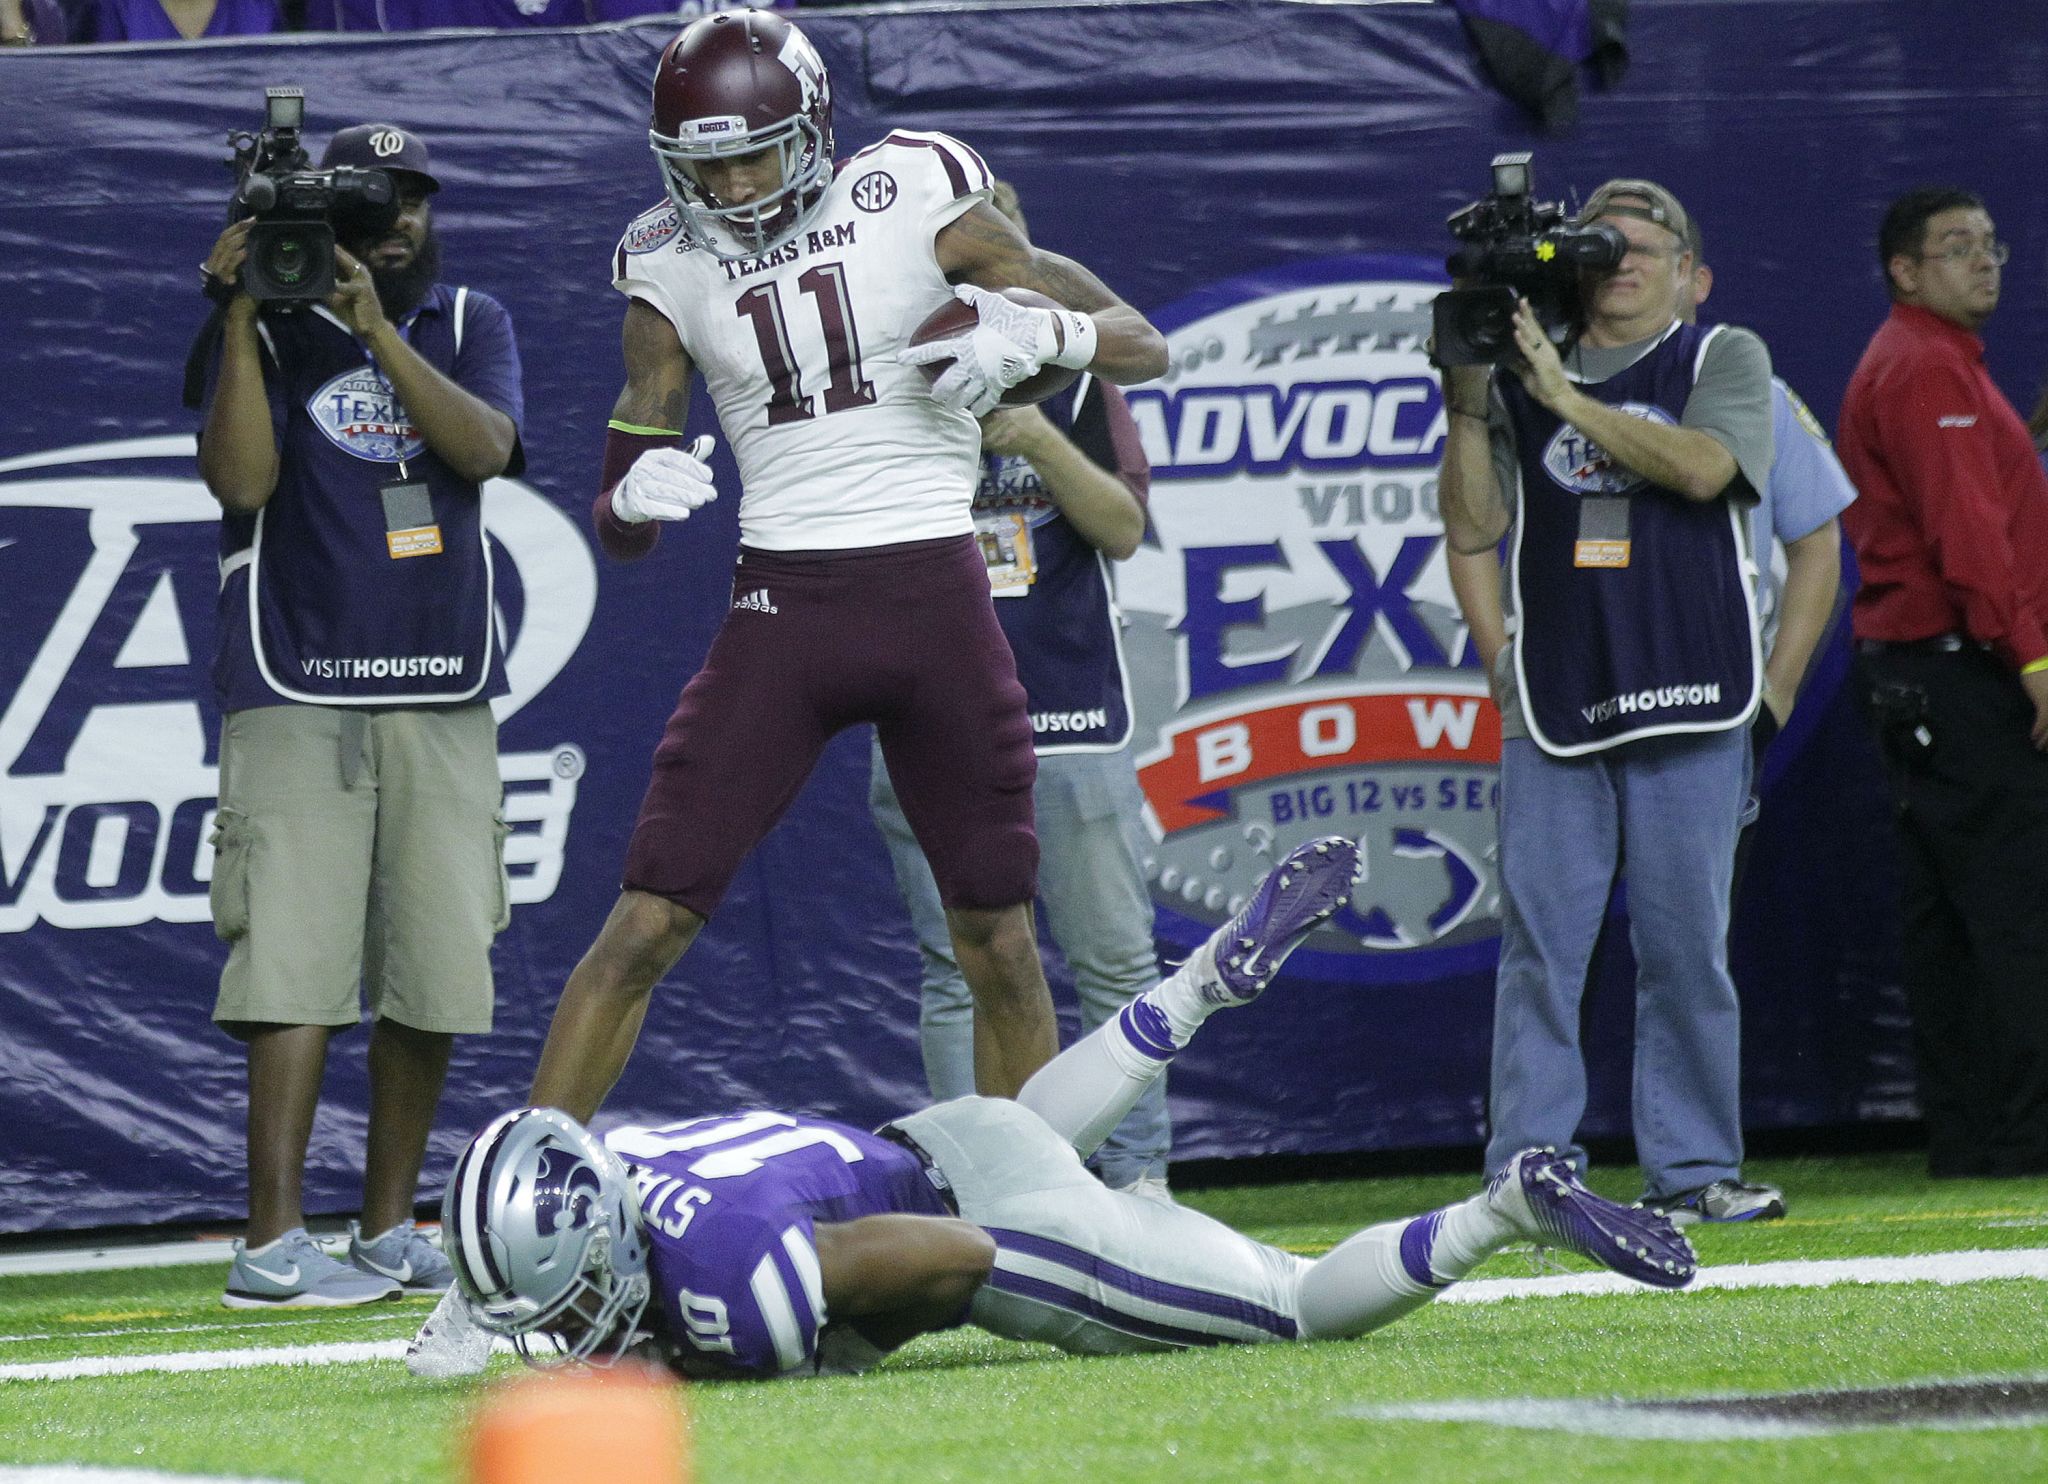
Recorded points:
(895, 1135)
(1939, 644)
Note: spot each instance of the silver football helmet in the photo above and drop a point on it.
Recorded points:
(543, 1229)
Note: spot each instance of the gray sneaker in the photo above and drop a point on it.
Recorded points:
(294, 1273)
(402, 1255)
(1724, 1200)
(1150, 1188)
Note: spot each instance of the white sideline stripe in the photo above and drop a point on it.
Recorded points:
(345, 1353)
(95, 1259)
(1933, 1267)
(1926, 1267)
(159, 1254)
(224, 1327)
(83, 1473)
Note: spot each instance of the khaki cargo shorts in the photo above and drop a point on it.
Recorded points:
(357, 850)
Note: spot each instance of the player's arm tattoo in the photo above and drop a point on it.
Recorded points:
(657, 390)
(983, 247)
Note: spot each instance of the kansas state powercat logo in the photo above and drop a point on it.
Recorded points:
(1297, 661)
(108, 733)
(567, 1194)
(360, 415)
(1581, 465)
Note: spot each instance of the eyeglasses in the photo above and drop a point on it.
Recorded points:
(1962, 252)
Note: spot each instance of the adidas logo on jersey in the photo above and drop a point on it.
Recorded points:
(757, 600)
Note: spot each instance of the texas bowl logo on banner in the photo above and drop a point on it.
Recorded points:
(108, 734)
(1298, 664)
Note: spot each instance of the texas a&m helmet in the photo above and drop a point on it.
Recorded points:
(733, 83)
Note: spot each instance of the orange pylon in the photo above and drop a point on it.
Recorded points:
(627, 1425)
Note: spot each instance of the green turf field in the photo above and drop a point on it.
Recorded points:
(966, 1406)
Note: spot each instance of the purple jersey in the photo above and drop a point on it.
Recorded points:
(730, 1201)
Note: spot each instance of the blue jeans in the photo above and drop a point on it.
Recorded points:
(1668, 808)
(1091, 887)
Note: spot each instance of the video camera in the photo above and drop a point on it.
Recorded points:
(1514, 246)
(298, 209)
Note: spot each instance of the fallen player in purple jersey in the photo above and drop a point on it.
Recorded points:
(761, 1244)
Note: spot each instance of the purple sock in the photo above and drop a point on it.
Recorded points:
(1417, 1238)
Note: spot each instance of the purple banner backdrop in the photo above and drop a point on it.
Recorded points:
(1233, 167)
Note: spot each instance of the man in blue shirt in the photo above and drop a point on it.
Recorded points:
(1798, 512)
(359, 831)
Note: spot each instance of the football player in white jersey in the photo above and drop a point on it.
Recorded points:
(793, 283)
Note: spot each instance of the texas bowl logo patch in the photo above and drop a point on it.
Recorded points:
(1297, 661)
(360, 414)
(651, 231)
(1584, 467)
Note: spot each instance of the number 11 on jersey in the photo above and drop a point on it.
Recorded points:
(847, 387)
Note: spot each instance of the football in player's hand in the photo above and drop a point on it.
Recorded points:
(957, 317)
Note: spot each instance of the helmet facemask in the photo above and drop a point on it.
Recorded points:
(803, 150)
(595, 1322)
(543, 1227)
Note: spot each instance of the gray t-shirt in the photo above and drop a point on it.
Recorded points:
(1730, 403)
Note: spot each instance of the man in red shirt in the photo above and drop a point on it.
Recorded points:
(1951, 533)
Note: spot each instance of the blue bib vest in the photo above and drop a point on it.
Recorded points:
(1064, 629)
(315, 606)
(1635, 618)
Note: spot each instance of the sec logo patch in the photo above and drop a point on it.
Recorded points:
(875, 191)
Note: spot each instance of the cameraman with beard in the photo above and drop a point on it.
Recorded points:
(359, 834)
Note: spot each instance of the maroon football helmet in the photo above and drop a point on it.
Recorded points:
(733, 83)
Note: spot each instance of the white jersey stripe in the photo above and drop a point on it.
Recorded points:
(804, 1258)
(772, 1298)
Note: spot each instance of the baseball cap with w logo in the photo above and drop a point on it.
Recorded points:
(380, 147)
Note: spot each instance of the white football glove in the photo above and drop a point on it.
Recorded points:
(665, 484)
(1007, 344)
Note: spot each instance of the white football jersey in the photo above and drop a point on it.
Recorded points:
(838, 445)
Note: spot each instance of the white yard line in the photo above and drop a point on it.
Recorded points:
(1926, 1267)
(1648, 1422)
(1933, 1267)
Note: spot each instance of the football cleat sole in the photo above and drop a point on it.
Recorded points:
(1297, 896)
(1542, 1194)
